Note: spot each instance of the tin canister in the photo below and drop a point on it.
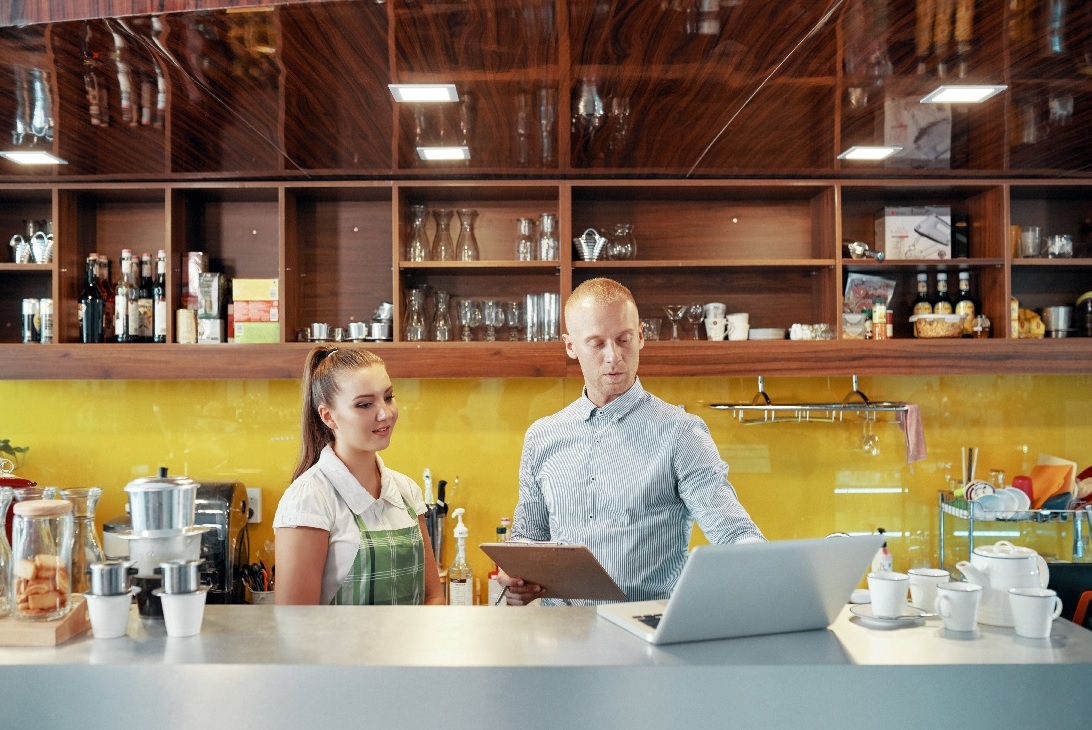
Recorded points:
(31, 332)
(45, 320)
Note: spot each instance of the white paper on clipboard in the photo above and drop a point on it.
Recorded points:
(565, 571)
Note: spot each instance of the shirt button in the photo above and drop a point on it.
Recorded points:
(591, 517)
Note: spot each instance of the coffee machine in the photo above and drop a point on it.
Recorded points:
(223, 507)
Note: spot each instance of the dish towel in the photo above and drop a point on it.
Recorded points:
(910, 423)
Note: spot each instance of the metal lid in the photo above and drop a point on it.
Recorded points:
(8, 479)
(155, 484)
(43, 508)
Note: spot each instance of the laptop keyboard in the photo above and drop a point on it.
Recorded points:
(652, 619)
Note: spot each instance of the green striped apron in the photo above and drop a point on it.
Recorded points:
(389, 568)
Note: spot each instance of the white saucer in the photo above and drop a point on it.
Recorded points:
(910, 616)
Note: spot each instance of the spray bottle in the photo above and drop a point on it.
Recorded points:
(460, 579)
(881, 562)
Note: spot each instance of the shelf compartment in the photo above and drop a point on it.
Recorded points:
(17, 282)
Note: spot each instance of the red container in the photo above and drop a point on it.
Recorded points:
(7, 479)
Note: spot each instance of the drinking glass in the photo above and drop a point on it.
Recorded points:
(513, 314)
(467, 248)
(441, 318)
(469, 316)
(415, 316)
(694, 315)
(675, 313)
(492, 317)
(443, 248)
(1030, 242)
(417, 250)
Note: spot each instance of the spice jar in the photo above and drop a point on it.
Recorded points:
(41, 559)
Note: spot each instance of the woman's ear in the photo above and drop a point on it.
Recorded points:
(327, 417)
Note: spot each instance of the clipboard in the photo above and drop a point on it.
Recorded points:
(565, 571)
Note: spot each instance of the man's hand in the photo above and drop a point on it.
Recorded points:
(517, 592)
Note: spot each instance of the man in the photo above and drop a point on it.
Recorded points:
(620, 470)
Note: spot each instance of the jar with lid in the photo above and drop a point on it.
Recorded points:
(41, 559)
(7, 494)
(86, 546)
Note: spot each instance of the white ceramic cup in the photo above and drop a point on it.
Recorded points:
(887, 591)
(183, 612)
(923, 587)
(1033, 611)
(957, 604)
(109, 614)
(715, 327)
(715, 310)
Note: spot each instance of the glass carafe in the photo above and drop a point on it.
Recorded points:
(622, 246)
(525, 240)
(415, 316)
(86, 546)
(7, 494)
(441, 319)
(548, 246)
(417, 250)
(443, 248)
(467, 247)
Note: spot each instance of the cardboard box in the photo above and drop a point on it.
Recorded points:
(255, 290)
(263, 311)
(210, 302)
(253, 332)
(923, 131)
(915, 233)
(210, 331)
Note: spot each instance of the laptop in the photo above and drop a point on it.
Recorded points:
(749, 589)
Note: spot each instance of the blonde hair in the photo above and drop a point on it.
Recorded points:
(601, 291)
(321, 372)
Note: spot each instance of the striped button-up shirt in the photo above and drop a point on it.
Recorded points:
(628, 480)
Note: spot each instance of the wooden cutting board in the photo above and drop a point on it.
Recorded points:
(76, 622)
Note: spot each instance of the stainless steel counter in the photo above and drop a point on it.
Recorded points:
(291, 667)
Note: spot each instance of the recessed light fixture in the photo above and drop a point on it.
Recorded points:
(860, 152)
(418, 93)
(32, 157)
(961, 94)
(444, 153)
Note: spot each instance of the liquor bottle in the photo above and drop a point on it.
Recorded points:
(965, 303)
(922, 305)
(460, 578)
(941, 303)
(92, 307)
(122, 328)
(133, 299)
(159, 299)
(144, 299)
(107, 290)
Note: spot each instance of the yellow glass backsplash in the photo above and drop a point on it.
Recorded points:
(796, 479)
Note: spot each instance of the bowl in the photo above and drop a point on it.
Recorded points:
(932, 326)
(766, 333)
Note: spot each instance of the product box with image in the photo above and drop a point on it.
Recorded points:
(256, 311)
(254, 332)
(922, 131)
(255, 290)
(915, 232)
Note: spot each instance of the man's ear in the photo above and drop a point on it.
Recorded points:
(570, 349)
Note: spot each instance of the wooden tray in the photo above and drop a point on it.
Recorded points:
(14, 632)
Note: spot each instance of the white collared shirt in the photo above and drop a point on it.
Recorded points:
(326, 497)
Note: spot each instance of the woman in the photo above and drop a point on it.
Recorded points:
(349, 530)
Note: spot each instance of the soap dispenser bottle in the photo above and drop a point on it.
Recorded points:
(881, 562)
(460, 579)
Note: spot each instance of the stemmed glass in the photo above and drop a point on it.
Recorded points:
(694, 316)
(675, 313)
(513, 314)
(476, 319)
(468, 313)
(493, 317)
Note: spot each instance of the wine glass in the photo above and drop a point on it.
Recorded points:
(467, 310)
(694, 315)
(476, 319)
(675, 313)
(492, 317)
(513, 314)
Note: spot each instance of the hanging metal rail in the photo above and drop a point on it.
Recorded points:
(762, 409)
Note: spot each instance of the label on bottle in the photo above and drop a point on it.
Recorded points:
(459, 593)
(966, 308)
(144, 318)
(160, 320)
(133, 309)
(923, 308)
(942, 307)
(121, 318)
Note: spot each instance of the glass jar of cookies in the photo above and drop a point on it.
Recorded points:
(41, 569)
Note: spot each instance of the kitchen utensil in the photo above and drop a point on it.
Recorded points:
(589, 245)
(888, 592)
(1057, 320)
(146, 552)
(161, 505)
(320, 331)
(958, 605)
(1033, 611)
(110, 577)
(999, 567)
(359, 331)
(41, 248)
(20, 249)
(923, 586)
(109, 614)
(968, 463)
(181, 576)
(183, 612)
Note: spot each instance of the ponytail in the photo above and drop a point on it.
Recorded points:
(321, 372)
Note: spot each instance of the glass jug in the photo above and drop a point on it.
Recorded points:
(41, 559)
(7, 494)
(417, 250)
(415, 317)
(86, 545)
(443, 248)
(467, 247)
(441, 319)
(525, 243)
(622, 246)
(548, 246)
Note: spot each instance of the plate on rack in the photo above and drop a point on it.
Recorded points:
(910, 616)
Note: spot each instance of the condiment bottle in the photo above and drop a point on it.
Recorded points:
(41, 559)
(879, 319)
(460, 578)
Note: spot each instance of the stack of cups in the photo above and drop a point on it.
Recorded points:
(110, 598)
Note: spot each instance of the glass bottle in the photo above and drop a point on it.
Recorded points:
(7, 494)
(441, 319)
(942, 304)
(443, 248)
(86, 545)
(415, 317)
(107, 290)
(922, 305)
(467, 247)
(122, 297)
(41, 559)
(92, 308)
(965, 303)
(548, 247)
(144, 299)
(159, 299)
(525, 240)
(417, 250)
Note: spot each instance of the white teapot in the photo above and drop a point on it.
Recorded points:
(997, 568)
